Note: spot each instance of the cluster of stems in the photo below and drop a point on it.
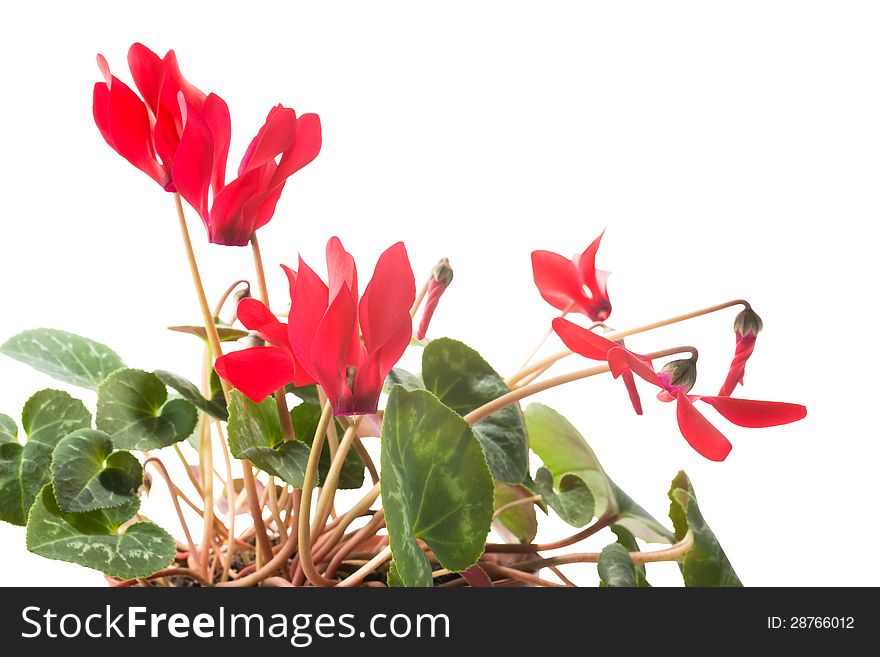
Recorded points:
(299, 537)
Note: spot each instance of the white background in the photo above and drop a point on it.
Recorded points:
(730, 148)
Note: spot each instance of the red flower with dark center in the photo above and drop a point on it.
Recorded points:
(260, 371)
(747, 325)
(145, 132)
(284, 145)
(573, 285)
(326, 324)
(696, 429)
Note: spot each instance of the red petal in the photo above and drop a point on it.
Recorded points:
(216, 115)
(274, 137)
(125, 124)
(147, 72)
(308, 303)
(389, 295)
(621, 360)
(630, 384)
(699, 432)
(305, 147)
(258, 371)
(744, 347)
(257, 317)
(557, 279)
(586, 263)
(330, 348)
(341, 268)
(229, 224)
(756, 414)
(193, 164)
(435, 291)
(581, 341)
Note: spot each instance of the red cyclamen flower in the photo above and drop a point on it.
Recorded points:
(573, 285)
(441, 277)
(284, 145)
(145, 132)
(324, 331)
(259, 371)
(747, 325)
(696, 429)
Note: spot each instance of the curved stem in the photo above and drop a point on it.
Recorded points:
(419, 299)
(375, 524)
(513, 573)
(167, 572)
(361, 573)
(230, 507)
(544, 339)
(172, 489)
(303, 531)
(225, 296)
(331, 481)
(515, 503)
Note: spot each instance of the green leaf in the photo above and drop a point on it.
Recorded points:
(305, 418)
(705, 564)
(463, 381)
(519, 522)
(255, 435)
(306, 393)
(616, 568)
(133, 407)
(216, 406)
(436, 486)
(226, 332)
(47, 417)
(565, 453)
(628, 541)
(8, 429)
(64, 356)
(88, 475)
(571, 498)
(94, 539)
(401, 377)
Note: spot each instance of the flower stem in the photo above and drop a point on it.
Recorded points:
(303, 530)
(358, 576)
(419, 299)
(546, 337)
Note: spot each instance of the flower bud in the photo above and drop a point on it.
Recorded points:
(679, 375)
(441, 277)
(747, 322)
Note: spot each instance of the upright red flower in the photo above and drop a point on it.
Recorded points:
(284, 145)
(326, 324)
(674, 383)
(573, 285)
(145, 132)
(747, 325)
(259, 371)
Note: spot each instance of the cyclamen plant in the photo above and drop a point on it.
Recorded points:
(454, 441)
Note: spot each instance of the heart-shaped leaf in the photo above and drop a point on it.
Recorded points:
(436, 486)
(519, 522)
(705, 564)
(255, 435)
(570, 497)
(47, 417)
(628, 541)
(463, 381)
(94, 539)
(64, 356)
(216, 406)
(88, 475)
(616, 568)
(8, 429)
(133, 407)
(566, 454)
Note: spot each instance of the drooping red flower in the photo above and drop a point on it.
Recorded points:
(441, 277)
(747, 325)
(284, 145)
(696, 429)
(345, 342)
(260, 371)
(145, 132)
(573, 285)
